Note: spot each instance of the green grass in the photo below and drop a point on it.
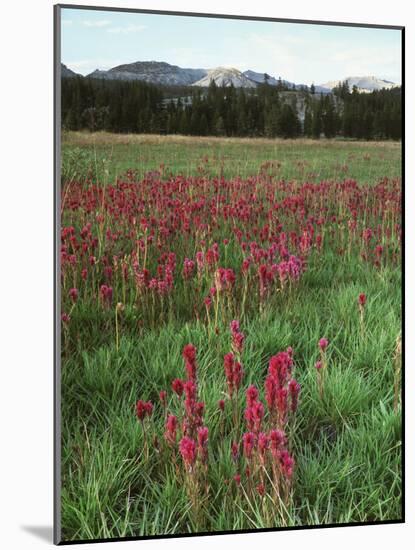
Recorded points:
(109, 156)
(347, 446)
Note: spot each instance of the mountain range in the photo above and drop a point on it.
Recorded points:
(362, 83)
(159, 72)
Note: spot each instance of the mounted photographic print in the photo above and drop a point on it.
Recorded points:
(229, 233)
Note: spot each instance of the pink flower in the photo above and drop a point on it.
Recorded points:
(379, 250)
(277, 441)
(282, 405)
(235, 451)
(237, 479)
(323, 343)
(171, 429)
(249, 417)
(188, 268)
(106, 294)
(238, 341)
(187, 447)
(163, 398)
(362, 299)
(294, 390)
(228, 361)
(143, 409)
(251, 395)
(221, 404)
(258, 414)
(230, 278)
(237, 337)
(177, 386)
(190, 396)
(263, 443)
(237, 375)
(248, 443)
(233, 373)
(140, 410)
(189, 353)
(270, 391)
(189, 356)
(261, 489)
(65, 318)
(318, 365)
(73, 294)
(280, 366)
(199, 410)
(287, 463)
(202, 440)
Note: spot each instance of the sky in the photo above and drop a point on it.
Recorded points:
(300, 53)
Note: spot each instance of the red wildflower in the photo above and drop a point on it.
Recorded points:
(251, 395)
(65, 318)
(202, 440)
(258, 414)
(235, 451)
(190, 393)
(189, 356)
(73, 294)
(323, 343)
(270, 391)
(261, 489)
(106, 294)
(163, 398)
(362, 299)
(277, 441)
(177, 386)
(187, 447)
(228, 362)
(280, 366)
(189, 353)
(171, 429)
(294, 389)
(237, 375)
(249, 417)
(282, 405)
(143, 409)
(263, 443)
(248, 444)
(287, 463)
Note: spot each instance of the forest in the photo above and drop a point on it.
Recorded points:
(266, 111)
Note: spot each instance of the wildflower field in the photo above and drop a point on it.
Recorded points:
(230, 335)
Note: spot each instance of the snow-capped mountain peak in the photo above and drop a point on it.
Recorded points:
(363, 83)
(224, 76)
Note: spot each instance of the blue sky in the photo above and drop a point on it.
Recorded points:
(300, 53)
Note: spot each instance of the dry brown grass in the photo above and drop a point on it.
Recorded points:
(106, 138)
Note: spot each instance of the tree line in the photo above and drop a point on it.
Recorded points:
(270, 111)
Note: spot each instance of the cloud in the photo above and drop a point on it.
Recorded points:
(101, 23)
(321, 60)
(127, 29)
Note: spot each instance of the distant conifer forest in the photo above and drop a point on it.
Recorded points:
(266, 111)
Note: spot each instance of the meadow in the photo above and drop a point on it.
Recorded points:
(231, 321)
